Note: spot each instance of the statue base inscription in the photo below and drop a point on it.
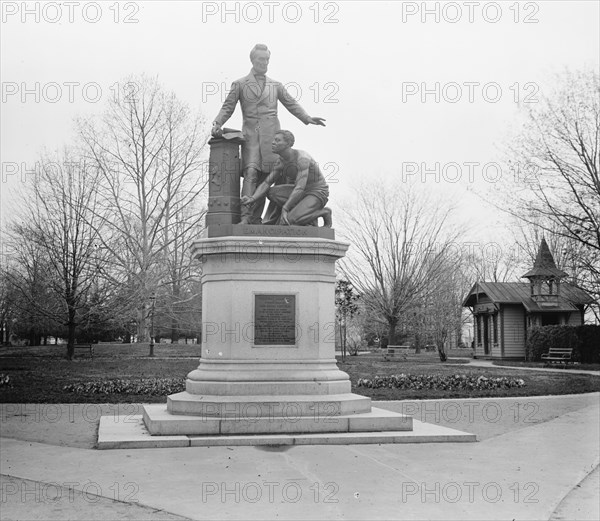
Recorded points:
(275, 320)
(260, 230)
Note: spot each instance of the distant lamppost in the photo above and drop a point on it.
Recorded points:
(153, 300)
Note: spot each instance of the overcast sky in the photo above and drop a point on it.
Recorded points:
(400, 83)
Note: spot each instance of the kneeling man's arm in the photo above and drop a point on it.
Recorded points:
(262, 190)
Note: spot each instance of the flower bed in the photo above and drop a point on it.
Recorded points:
(440, 382)
(148, 386)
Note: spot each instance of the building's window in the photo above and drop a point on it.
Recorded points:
(478, 327)
(495, 328)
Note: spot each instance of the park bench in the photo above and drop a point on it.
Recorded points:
(86, 346)
(558, 355)
(392, 351)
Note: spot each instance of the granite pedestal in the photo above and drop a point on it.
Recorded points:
(268, 348)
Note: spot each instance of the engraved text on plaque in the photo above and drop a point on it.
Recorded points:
(275, 320)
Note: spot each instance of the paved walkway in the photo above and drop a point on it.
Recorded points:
(490, 363)
(537, 458)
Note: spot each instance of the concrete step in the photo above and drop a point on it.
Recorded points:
(264, 406)
(159, 421)
(132, 434)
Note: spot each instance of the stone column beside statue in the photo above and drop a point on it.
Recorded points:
(224, 169)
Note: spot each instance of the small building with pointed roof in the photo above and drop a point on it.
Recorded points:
(504, 311)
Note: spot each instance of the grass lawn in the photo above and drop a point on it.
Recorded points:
(509, 363)
(38, 374)
(536, 383)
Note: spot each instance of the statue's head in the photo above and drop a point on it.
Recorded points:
(259, 56)
(287, 136)
(281, 140)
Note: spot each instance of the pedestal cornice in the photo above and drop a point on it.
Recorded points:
(270, 246)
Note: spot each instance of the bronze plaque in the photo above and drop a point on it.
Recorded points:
(275, 320)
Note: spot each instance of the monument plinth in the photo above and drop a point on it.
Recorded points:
(268, 348)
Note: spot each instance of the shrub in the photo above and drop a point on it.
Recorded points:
(584, 340)
(148, 386)
(541, 339)
(440, 382)
(589, 343)
(353, 347)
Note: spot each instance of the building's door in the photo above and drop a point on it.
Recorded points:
(486, 334)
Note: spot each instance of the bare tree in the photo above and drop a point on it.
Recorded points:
(149, 153)
(54, 241)
(492, 262)
(399, 240)
(182, 288)
(28, 309)
(556, 165)
(7, 305)
(445, 316)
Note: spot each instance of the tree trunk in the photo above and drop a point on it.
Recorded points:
(442, 353)
(71, 325)
(344, 337)
(339, 322)
(71, 342)
(174, 330)
(143, 333)
(392, 332)
(34, 339)
(175, 311)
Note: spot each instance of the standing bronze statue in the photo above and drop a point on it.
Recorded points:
(258, 96)
(300, 192)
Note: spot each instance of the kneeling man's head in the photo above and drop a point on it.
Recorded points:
(288, 137)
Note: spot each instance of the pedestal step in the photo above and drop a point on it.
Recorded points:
(159, 421)
(266, 406)
(114, 433)
(252, 377)
(226, 387)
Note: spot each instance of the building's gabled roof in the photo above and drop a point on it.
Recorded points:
(544, 265)
(520, 293)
